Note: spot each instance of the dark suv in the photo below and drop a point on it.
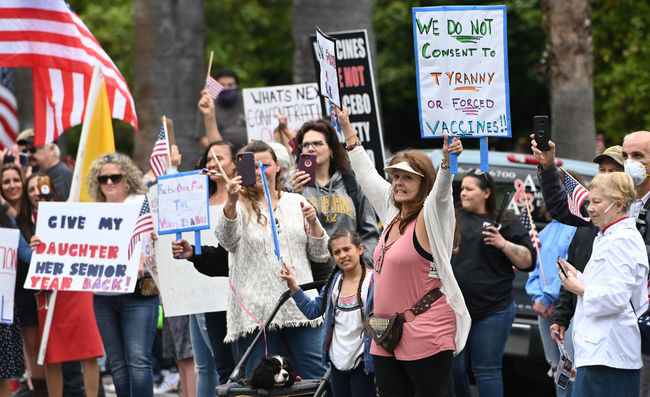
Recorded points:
(525, 368)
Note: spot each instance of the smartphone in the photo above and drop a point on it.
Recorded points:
(24, 159)
(246, 168)
(44, 187)
(307, 163)
(561, 266)
(542, 129)
(9, 158)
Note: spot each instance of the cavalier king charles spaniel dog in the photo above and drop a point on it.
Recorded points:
(273, 371)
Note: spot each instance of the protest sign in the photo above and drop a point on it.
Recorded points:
(84, 247)
(8, 260)
(462, 70)
(299, 102)
(326, 54)
(357, 90)
(183, 289)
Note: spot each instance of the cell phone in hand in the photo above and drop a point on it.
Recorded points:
(542, 129)
(561, 266)
(246, 168)
(9, 158)
(307, 163)
(24, 159)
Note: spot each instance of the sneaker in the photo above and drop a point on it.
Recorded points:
(170, 383)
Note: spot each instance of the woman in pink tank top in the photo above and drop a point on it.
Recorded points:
(412, 260)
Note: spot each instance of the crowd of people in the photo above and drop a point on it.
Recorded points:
(417, 291)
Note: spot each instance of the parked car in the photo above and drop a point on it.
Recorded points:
(525, 368)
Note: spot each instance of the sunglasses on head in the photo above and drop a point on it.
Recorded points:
(103, 179)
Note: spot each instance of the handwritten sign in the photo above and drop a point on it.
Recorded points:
(182, 202)
(84, 247)
(326, 54)
(182, 288)
(299, 102)
(8, 260)
(462, 71)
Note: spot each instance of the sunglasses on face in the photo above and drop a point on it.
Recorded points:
(103, 179)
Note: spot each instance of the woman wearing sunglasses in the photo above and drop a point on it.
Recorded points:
(336, 195)
(127, 322)
(483, 267)
(413, 276)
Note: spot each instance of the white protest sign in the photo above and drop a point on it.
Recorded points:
(84, 247)
(8, 260)
(183, 289)
(182, 202)
(329, 78)
(462, 70)
(299, 102)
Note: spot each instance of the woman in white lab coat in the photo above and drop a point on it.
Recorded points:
(611, 292)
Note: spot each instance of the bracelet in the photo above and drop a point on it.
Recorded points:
(353, 145)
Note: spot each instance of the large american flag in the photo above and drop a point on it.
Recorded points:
(576, 195)
(159, 155)
(49, 37)
(143, 225)
(530, 226)
(8, 110)
(213, 87)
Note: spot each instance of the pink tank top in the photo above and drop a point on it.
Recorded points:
(405, 277)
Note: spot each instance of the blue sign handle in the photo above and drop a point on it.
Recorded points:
(453, 163)
(197, 242)
(179, 236)
(485, 165)
(274, 228)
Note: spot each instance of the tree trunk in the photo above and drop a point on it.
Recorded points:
(169, 73)
(330, 16)
(570, 67)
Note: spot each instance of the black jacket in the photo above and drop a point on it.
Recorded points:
(213, 261)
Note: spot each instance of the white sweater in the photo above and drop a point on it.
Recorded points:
(254, 270)
(440, 220)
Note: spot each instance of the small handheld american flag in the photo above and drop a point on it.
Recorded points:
(159, 155)
(213, 87)
(576, 195)
(143, 225)
(530, 226)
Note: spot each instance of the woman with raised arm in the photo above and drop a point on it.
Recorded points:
(414, 282)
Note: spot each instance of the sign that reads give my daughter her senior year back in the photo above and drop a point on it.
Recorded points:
(84, 247)
(462, 70)
(183, 203)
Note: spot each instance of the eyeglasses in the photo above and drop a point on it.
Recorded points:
(103, 179)
(315, 144)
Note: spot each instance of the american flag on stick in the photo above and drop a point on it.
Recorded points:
(8, 109)
(160, 154)
(213, 87)
(576, 195)
(143, 225)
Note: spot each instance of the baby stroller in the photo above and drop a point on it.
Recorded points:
(237, 386)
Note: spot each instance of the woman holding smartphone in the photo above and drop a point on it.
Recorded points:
(334, 190)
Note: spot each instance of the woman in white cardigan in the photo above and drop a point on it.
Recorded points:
(611, 292)
(254, 272)
(412, 259)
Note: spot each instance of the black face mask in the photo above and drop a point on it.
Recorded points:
(228, 97)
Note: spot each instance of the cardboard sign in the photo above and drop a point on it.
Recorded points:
(326, 54)
(84, 247)
(462, 71)
(299, 102)
(357, 90)
(183, 289)
(182, 202)
(8, 261)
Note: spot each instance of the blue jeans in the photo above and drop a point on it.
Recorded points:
(552, 352)
(484, 351)
(353, 383)
(128, 325)
(599, 380)
(302, 345)
(206, 380)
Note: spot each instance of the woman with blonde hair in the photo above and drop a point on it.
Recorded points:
(612, 292)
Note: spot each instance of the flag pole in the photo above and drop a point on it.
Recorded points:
(209, 66)
(169, 153)
(539, 257)
(75, 193)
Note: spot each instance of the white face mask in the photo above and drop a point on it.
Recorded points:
(636, 171)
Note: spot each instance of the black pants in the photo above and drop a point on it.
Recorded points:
(427, 377)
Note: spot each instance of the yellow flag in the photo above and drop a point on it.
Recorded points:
(100, 138)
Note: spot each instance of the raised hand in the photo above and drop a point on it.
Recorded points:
(544, 158)
(206, 104)
(289, 277)
(181, 249)
(455, 147)
(299, 180)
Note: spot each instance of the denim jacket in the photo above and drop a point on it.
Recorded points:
(311, 308)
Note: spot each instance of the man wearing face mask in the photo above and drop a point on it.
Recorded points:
(224, 118)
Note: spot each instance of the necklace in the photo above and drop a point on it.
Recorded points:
(380, 261)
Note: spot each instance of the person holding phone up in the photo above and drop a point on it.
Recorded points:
(483, 266)
(324, 177)
(254, 271)
(612, 291)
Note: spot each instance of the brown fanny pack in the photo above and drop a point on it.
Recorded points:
(387, 331)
